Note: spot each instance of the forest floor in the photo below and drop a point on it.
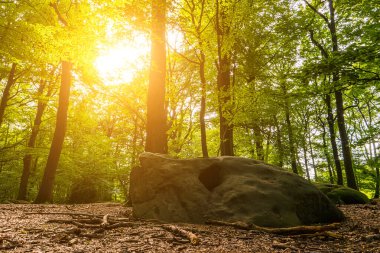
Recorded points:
(109, 227)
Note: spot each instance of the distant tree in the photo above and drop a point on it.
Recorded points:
(28, 158)
(6, 93)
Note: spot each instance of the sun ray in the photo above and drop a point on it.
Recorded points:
(118, 63)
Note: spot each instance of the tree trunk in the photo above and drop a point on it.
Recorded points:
(330, 22)
(203, 105)
(226, 128)
(267, 146)
(156, 136)
(305, 161)
(27, 161)
(350, 175)
(327, 155)
(312, 157)
(330, 121)
(377, 188)
(304, 144)
(280, 148)
(293, 155)
(376, 162)
(46, 188)
(224, 83)
(6, 92)
(258, 137)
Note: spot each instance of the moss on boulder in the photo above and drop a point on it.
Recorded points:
(343, 195)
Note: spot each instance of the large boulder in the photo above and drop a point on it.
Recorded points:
(227, 189)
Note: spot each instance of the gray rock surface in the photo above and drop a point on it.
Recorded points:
(227, 189)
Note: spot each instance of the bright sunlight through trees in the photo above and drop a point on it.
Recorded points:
(118, 63)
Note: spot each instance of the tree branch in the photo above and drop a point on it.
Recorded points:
(60, 17)
(317, 12)
(318, 45)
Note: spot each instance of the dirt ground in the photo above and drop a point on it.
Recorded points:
(109, 227)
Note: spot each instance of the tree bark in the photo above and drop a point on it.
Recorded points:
(280, 147)
(330, 121)
(305, 161)
(346, 149)
(46, 188)
(6, 92)
(203, 104)
(226, 128)
(224, 84)
(27, 160)
(304, 145)
(312, 158)
(156, 136)
(350, 175)
(377, 187)
(258, 137)
(293, 155)
(327, 155)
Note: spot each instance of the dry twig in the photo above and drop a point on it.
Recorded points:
(278, 231)
(182, 232)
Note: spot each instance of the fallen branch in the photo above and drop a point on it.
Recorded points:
(74, 222)
(99, 226)
(238, 224)
(284, 246)
(63, 213)
(279, 231)
(194, 240)
(105, 221)
(91, 218)
(120, 225)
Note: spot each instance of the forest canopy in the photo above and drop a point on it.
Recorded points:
(86, 86)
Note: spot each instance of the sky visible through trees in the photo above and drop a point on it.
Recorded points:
(292, 83)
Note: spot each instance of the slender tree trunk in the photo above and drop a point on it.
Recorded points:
(46, 188)
(156, 136)
(330, 121)
(327, 155)
(376, 161)
(375, 157)
(6, 92)
(347, 157)
(312, 157)
(350, 175)
(280, 148)
(203, 105)
(267, 146)
(305, 161)
(293, 155)
(27, 161)
(377, 188)
(258, 137)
